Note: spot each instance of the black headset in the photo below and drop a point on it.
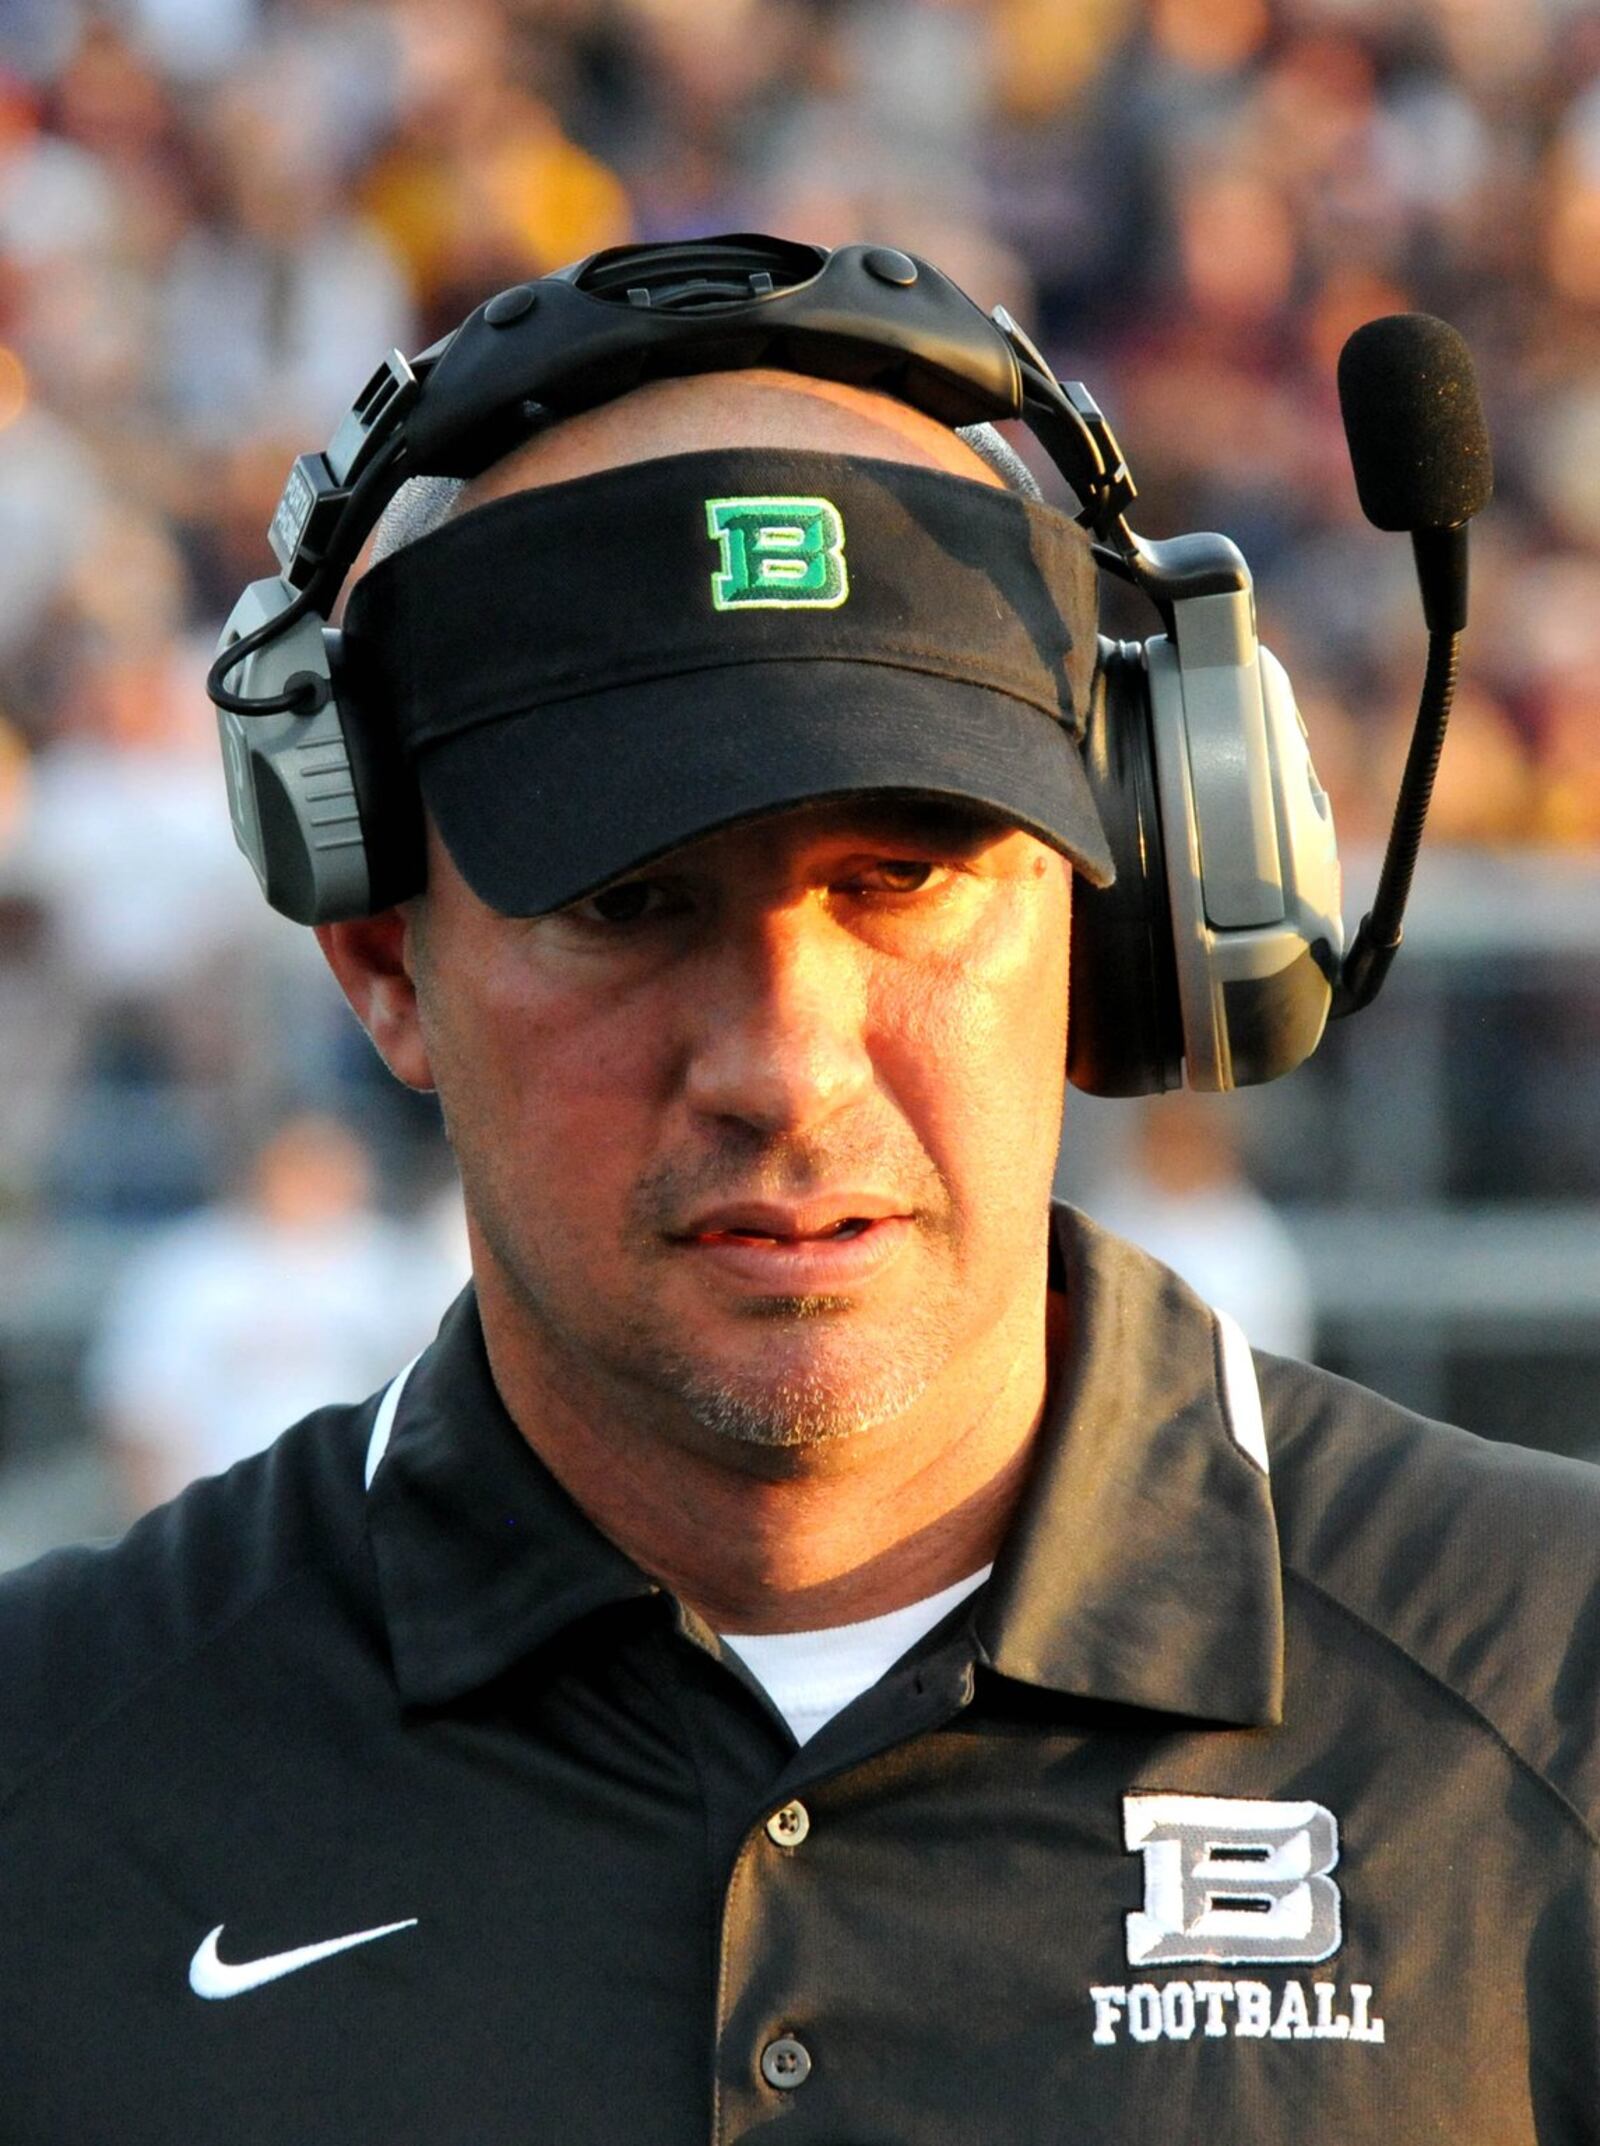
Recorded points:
(1213, 956)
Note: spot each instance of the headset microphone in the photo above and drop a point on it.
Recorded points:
(1419, 447)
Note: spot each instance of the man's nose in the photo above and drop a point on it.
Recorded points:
(781, 1030)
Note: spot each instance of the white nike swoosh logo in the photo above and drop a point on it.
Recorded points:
(212, 1977)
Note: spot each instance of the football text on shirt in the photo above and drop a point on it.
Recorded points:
(1176, 2011)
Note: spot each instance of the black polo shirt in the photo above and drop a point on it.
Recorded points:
(1234, 1807)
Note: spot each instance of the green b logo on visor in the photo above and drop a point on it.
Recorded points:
(778, 552)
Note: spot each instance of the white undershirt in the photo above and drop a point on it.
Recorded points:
(811, 1676)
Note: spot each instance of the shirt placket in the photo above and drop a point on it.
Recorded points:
(776, 1984)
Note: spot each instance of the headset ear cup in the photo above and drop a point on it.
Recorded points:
(1125, 1025)
(387, 796)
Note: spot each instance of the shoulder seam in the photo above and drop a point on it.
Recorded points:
(1386, 1639)
(60, 1752)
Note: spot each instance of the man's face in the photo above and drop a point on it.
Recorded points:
(759, 1141)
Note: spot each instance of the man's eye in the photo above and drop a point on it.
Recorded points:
(628, 903)
(899, 875)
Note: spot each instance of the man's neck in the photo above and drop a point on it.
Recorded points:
(797, 1539)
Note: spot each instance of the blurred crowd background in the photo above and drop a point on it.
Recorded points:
(216, 216)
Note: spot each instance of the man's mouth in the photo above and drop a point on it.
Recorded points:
(823, 1218)
(846, 1226)
(831, 1244)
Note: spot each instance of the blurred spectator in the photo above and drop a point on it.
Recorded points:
(55, 197)
(49, 496)
(479, 186)
(128, 837)
(236, 1322)
(278, 305)
(1185, 1198)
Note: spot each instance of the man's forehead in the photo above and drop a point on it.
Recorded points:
(760, 407)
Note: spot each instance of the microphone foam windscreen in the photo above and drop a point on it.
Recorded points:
(1418, 441)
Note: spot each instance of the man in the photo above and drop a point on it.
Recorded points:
(815, 1643)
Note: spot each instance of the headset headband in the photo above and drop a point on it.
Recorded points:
(867, 315)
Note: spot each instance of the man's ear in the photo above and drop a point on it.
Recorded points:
(372, 957)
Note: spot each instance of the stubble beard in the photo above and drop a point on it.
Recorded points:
(869, 1377)
(817, 1407)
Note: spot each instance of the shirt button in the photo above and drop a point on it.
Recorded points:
(785, 2063)
(789, 1826)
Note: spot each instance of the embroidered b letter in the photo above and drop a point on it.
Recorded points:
(1233, 1880)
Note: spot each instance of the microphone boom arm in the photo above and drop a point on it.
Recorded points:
(1377, 939)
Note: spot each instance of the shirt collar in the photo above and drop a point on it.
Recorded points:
(1141, 1568)
(482, 1557)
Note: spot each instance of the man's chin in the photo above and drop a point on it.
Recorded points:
(798, 1417)
(811, 1366)
(805, 1395)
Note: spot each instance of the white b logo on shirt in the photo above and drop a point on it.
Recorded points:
(1232, 1879)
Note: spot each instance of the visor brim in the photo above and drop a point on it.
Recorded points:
(539, 809)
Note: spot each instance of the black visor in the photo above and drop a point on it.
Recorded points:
(591, 674)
